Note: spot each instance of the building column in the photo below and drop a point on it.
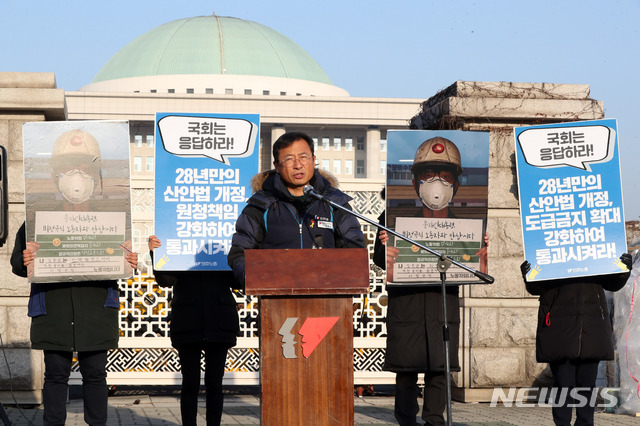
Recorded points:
(373, 153)
(25, 97)
(277, 130)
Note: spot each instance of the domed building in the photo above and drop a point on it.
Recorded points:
(214, 64)
(214, 55)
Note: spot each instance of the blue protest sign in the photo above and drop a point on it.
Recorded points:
(204, 164)
(571, 199)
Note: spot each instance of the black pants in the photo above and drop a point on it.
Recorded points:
(435, 398)
(215, 356)
(574, 374)
(57, 368)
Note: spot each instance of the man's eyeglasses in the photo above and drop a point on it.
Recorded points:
(290, 161)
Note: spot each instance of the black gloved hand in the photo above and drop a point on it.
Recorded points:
(525, 268)
(627, 260)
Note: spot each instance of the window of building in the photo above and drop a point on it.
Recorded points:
(315, 144)
(325, 144)
(208, 91)
(283, 93)
(383, 145)
(325, 165)
(383, 167)
(137, 164)
(360, 143)
(148, 164)
(149, 141)
(348, 144)
(337, 167)
(171, 90)
(337, 144)
(266, 92)
(228, 91)
(348, 167)
(137, 141)
(189, 90)
(154, 91)
(359, 167)
(247, 91)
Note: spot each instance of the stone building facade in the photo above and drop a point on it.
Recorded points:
(498, 320)
(24, 97)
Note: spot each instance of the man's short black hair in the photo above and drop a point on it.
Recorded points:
(287, 140)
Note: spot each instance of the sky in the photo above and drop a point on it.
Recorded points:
(373, 48)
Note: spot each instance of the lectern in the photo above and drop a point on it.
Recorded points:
(306, 332)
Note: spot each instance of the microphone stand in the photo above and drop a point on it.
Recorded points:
(444, 262)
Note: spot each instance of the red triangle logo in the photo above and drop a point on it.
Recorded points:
(313, 331)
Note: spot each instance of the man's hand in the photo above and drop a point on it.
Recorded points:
(627, 260)
(384, 237)
(154, 242)
(132, 258)
(29, 254)
(392, 256)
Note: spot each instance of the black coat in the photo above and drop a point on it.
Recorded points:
(274, 219)
(415, 321)
(203, 309)
(414, 329)
(76, 318)
(573, 319)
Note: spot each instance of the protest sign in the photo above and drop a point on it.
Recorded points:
(204, 164)
(77, 198)
(570, 199)
(436, 195)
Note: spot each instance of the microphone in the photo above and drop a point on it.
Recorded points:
(309, 190)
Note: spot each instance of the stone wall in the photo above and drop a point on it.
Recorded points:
(24, 97)
(498, 320)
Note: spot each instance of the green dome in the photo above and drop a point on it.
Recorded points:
(212, 45)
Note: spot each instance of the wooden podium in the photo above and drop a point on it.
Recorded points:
(306, 332)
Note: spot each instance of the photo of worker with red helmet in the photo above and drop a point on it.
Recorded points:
(436, 199)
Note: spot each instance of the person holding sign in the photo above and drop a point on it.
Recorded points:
(414, 327)
(279, 215)
(574, 334)
(203, 319)
(69, 317)
(75, 310)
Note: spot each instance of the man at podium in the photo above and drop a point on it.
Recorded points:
(280, 216)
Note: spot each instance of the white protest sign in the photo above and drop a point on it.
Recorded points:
(202, 137)
(575, 147)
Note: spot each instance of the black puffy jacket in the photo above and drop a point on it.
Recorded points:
(203, 308)
(69, 316)
(573, 319)
(274, 219)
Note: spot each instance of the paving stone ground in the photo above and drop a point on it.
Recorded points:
(133, 406)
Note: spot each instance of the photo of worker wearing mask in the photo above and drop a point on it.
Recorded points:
(77, 198)
(437, 197)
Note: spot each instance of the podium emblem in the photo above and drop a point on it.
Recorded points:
(312, 332)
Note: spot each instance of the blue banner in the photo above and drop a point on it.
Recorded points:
(204, 165)
(571, 199)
